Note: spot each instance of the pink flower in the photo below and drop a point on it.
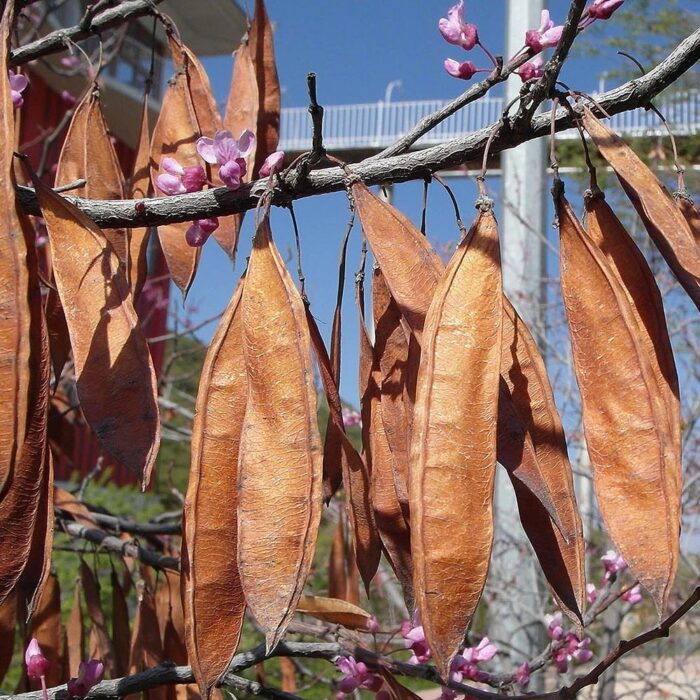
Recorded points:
(228, 153)
(555, 629)
(89, 674)
(613, 564)
(414, 639)
(37, 664)
(197, 234)
(464, 70)
(456, 31)
(356, 675)
(272, 164)
(633, 595)
(18, 84)
(522, 674)
(546, 36)
(603, 9)
(178, 180)
(591, 593)
(351, 418)
(532, 69)
(465, 666)
(571, 649)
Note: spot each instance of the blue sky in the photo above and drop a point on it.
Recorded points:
(356, 48)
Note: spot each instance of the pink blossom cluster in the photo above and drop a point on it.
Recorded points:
(457, 32)
(18, 84)
(567, 647)
(230, 155)
(613, 564)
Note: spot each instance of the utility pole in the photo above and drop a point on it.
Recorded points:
(514, 623)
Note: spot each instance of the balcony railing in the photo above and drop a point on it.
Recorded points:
(378, 124)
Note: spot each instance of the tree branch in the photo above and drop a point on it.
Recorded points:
(165, 674)
(114, 544)
(410, 166)
(55, 42)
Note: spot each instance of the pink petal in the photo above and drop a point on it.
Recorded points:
(246, 142)
(552, 36)
(18, 81)
(170, 184)
(225, 147)
(230, 174)
(545, 22)
(464, 70)
(170, 165)
(194, 178)
(272, 163)
(205, 148)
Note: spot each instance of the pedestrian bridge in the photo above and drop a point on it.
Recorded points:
(364, 129)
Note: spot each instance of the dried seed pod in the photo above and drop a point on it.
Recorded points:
(623, 411)
(338, 612)
(109, 348)
(666, 225)
(410, 266)
(280, 465)
(15, 316)
(175, 135)
(343, 576)
(356, 475)
(146, 645)
(453, 447)
(262, 51)
(213, 599)
(632, 273)
(88, 153)
(26, 514)
(560, 548)
(46, 628)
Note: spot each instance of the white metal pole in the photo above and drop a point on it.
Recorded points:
(515, 609)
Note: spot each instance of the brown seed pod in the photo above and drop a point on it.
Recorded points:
(262, 51)
(453, 447)
(213, 599)
(623, 411)
(280, 466)
(664, 222)
(109, 348)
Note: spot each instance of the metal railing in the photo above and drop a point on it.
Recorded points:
(378, 124)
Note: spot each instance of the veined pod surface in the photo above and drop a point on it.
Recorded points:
(622, 414)
(213, 600)
(453, 447)
(109, 348)
(280, 465)
(665, 223)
